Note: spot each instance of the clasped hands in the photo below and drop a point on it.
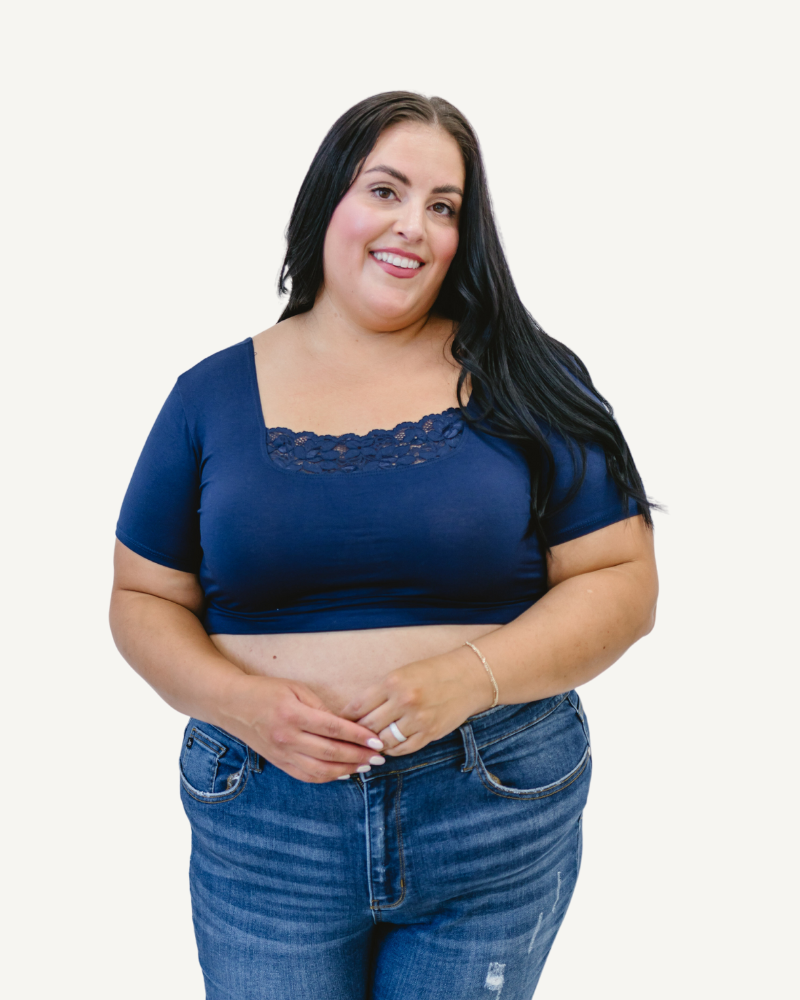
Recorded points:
(426, 699)
(287, 722)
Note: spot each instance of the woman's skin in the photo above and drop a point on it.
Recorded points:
(370, 354)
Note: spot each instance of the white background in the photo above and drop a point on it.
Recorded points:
(643, 160)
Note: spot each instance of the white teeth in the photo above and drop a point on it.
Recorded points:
(392, 258)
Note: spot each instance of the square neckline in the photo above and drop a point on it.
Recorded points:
(327, 476)
(349, 435)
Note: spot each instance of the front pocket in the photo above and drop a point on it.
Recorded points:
(213, 764)
(541, 760)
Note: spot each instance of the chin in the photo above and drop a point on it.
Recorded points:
(388, 306)
(386, 315)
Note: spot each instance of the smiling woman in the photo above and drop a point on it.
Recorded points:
(400, 520)
(398, 218)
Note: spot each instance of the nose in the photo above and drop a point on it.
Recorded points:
(410, 221)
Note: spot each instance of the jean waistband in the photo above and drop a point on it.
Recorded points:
(478, 731)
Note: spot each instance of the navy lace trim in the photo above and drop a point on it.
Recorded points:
(412, 442)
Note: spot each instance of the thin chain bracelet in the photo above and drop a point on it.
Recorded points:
(488, 671)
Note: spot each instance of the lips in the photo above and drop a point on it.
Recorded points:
(398, 263)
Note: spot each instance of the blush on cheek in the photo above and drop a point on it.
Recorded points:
(350, 229)
(446, 251)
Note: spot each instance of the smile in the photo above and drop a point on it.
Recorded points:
(393, 258)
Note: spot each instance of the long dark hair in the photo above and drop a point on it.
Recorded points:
(520, 375)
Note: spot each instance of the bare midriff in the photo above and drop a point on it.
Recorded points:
(338, 666)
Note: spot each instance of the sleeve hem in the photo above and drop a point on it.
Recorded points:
(154, 556)
(587, 527)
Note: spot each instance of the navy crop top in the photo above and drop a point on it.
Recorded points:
(298, 532)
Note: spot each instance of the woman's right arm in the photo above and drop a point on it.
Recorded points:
(155, 621)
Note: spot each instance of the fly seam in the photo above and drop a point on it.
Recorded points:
(400, 855)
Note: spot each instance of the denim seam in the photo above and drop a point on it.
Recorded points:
(498, 708)
(210, 798)
(470, 750)
(554, 789)
(522, 729)
(217, 753)
(577, 704)
(415, 767)
(401, 856)
(225, 731)
(213, 745)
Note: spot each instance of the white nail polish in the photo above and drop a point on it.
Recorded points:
(363, 768)
(343, 777)
(377, 760)
(375, 744)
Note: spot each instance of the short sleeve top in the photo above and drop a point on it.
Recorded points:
(297, 532)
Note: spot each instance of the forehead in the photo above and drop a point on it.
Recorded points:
(427, 155)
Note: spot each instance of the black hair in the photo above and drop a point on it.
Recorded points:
(520, 376)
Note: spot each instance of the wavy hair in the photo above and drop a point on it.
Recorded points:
(521, 377)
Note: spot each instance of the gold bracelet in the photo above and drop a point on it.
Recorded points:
(488, 671)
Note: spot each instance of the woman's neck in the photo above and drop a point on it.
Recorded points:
(334, 338)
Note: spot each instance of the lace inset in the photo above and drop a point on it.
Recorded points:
(409, 443)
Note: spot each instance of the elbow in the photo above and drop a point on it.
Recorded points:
(650, 592)
(649, 622)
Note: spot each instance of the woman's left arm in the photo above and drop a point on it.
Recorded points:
(601, 599)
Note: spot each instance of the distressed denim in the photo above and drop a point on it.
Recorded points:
(441, 875)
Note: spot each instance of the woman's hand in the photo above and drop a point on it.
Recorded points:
(155, 616)
(288, 724)
(427, 699)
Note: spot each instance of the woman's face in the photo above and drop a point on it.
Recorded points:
(392, 237)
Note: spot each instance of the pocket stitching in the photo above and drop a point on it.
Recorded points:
(209, 742)
(214, 798)
(543, 792)
(219, 730)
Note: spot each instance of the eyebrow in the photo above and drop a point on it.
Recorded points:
(442, 189)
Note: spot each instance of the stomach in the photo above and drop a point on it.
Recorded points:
(338, 666)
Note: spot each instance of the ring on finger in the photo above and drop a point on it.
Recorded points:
(395, 731)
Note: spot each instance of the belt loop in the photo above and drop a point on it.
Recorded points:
(254, 761)
(470, 750)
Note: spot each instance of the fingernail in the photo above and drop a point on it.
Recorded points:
(343, 777)
(363, 768)
(375, 744)
(377, 759)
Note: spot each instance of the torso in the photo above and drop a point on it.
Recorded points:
(304, 393)
(340, 665)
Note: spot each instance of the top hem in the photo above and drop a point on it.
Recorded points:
(223, 623)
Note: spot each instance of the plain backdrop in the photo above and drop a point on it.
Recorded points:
(643, 161)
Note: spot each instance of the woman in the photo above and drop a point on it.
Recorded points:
(407, 610)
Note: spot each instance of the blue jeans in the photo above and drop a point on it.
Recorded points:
(445, 873)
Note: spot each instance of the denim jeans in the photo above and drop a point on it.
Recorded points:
(441, 875)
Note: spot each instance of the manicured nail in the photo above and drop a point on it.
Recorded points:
(343, 777)
(363, 768)
(377, 759)
(375, 744)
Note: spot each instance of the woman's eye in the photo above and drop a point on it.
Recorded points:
(383, 193)
(440, 208)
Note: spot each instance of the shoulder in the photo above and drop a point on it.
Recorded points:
(215, 387)
(223, 375)
(216, 367)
